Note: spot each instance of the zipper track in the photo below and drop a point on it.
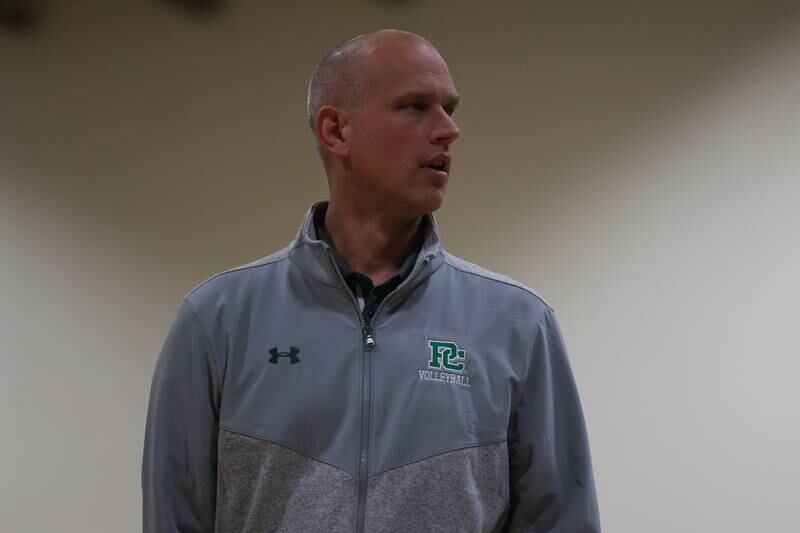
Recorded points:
(386, 298)
(367, 345)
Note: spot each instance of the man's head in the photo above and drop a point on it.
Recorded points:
(380, 107)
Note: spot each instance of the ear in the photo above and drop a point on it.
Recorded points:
(331, 126)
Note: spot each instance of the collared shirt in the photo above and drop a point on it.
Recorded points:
(369, 297)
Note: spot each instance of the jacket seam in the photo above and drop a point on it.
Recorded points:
(212, 351)
(451, 450)
(540, 325)
(283, 257)
(283, 445)
(484, 276)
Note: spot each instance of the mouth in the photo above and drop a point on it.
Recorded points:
(439, 164)
(437, 172)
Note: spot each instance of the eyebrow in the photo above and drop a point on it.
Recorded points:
(451, 101)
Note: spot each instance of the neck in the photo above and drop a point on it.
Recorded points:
(371, 242)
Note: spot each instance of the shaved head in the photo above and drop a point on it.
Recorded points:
(342, 78)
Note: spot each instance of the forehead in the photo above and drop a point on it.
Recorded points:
(403, 67)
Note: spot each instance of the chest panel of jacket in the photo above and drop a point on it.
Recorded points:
(293, 371)
(443, 373)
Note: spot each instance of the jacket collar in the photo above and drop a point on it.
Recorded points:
(319, 228)
(314, 257)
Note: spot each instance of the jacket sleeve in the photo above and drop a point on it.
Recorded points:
(179, 462)
(551, 479)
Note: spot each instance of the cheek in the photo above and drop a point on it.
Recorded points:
(388, 142)
(389, 153)
(387, 150)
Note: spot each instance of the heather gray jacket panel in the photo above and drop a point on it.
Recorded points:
(467, 405)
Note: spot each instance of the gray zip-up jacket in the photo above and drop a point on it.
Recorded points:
(274, 407)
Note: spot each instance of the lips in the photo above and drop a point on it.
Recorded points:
(440, 163)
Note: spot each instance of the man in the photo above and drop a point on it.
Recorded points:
(363, 379)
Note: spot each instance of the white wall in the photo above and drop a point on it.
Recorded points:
(637, 164)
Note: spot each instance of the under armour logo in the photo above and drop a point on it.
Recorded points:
(291, 354)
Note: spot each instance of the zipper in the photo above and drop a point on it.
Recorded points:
(386, 298)
(367, 345)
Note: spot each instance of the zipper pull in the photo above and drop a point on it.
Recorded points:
(369, 341)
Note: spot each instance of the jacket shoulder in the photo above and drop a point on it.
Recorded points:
(236, 279)
(467, 267)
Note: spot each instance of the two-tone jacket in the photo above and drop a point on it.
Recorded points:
(274, 407)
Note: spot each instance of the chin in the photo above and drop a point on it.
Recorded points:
(437, 203)
(427, 203)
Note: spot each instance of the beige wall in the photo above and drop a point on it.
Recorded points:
(637, 163)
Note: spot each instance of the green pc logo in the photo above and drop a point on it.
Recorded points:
(446, 355)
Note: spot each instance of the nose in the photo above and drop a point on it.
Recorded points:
(446, 130)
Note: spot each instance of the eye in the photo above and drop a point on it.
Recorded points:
(417, 106)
